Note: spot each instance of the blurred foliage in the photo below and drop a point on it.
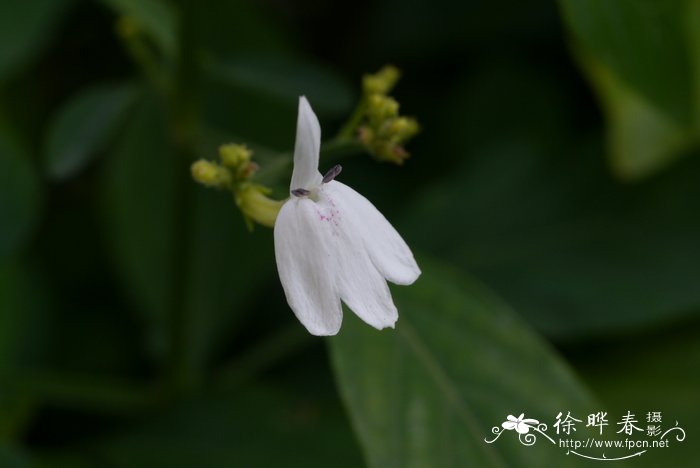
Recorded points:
(141, 324)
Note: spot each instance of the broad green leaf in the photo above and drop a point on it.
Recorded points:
(20, 195)
(286, 78)
(641, 140)
(83, 127)
(531, 210)
(644, 43)
(140, 213)
(221, 262)
(156, 17)
(25, 28)
(458, 362)
(640, 56)
(571, 251)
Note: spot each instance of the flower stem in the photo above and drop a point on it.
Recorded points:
(348, 130)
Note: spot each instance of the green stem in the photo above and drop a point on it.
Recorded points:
(348, 130)
(341, 147)
(184, 374)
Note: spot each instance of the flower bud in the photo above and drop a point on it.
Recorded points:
(234, 156)
(382, 81)
(256, 206)
(210, 174)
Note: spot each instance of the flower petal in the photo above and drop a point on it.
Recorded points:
(304, 249)
(306, 149)
(387, 250)
(360, 284)
(508, 425)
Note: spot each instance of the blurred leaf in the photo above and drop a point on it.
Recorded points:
(646, 372)
(286, 78)
(25, 28)
(156, 17)
(641, 139)
(12, 458)
(639, 54)
(24, 325)
(255, 428)
(140, 194)
(24, 318)
(19, 195)
(571, 251)
(459, 362)
(83, 126)
(531, 210)
(226, 269)
(644, 43)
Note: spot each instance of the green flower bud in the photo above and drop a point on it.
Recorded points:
(381, 82)
(210, 174)
(234, 156)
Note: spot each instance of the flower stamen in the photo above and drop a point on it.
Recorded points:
(300, 192)
(332, 174)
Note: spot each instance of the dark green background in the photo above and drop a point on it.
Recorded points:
(551, 200)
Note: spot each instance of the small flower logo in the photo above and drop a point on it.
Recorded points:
(521, 425)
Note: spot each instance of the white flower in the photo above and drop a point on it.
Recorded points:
(332, 244)
(522, 426)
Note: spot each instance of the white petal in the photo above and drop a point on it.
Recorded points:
(387, 250)
(360, 284)
(306, 149)
(304, 249)
(508, 425)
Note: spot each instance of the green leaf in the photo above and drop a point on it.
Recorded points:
(326, 90)
(13, 458)
(572, 252)
(644, 43)
(156, 17)
(25, 28)
(83, 127)
(24, 321)
(530, 209)
(640, 56)
(459, 362)
(641, 140)
(139, 214)
(227, 266)
(20, 195)
(161, 224)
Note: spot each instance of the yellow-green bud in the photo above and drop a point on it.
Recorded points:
(382, 81)
(234, 156)
(256, 206)
(403, 128)
(210, 174)
(380, 108)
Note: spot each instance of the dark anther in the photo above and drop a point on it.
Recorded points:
(300, 192)
(332, 174)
